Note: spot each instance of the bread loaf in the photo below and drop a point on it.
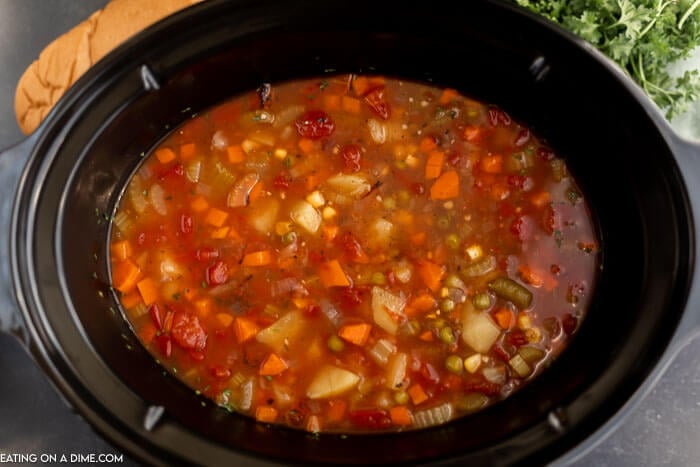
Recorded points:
(64, 60)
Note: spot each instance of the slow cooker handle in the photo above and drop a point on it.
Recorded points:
(12, 162)
(688, 158)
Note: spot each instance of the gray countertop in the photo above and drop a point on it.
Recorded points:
(664, 429)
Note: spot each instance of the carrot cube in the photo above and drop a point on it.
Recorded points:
(417, 394)
(187, 151)
(148, 290)
(258, 258)
(351, 105)
(199, 204)
(433, 165)
(400, 415)
(446, 186)
(165, 155)
(266, 414)
(272, 365)
(235, 154)
(244, 329)
(216, 217)
(332, 275)
(355, 333)
(124, 275)
(121, 250)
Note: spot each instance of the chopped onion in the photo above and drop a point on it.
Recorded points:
(494, 374)
(219, 141)
(381, 351)
(156, 196)
(331, 312)
(288, 285)
(193, 170)
(377, 130)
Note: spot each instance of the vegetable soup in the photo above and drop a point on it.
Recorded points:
(353, 253)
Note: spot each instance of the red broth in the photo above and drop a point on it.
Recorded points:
(353, 253)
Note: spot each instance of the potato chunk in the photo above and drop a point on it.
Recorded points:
(331, 381)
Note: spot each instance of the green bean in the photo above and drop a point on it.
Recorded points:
(510, 290)
(482, 301)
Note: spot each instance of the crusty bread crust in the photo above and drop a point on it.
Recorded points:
(69, 56)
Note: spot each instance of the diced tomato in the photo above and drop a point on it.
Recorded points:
(165, 345)
(187, 332)
(551, 221)
(186, 224)
(501, 352)
(516, 337)
(312, 311)
(351, 247)
(351, 155)
(569, 323)
(350, 297)
(430, 372)
(520, 182)
(481, 385)
(220, 372)
(217, 273)
(176, 170)
(377, 102)
(498, 117)
(417, 188)
(545, 154)
(315, 124)
(281, 182)
(196, 355)
(372, 419)
(156, 316)
(522, 228)
(522, 137)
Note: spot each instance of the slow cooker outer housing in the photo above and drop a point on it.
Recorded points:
(84, 154)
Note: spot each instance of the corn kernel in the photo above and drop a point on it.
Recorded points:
(249, 145)
(412, 161)
(474, 252)
(328, 213)
(472, 363)
(283, 227)
(280, 153)
(524, 321)
(316, 199)
(534, 335)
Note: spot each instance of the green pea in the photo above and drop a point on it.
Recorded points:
(378, 278)
(447, 305)
(335, 343)
(443, 222)
(389, 203)
(289, 237)
(452, 242)
(446, 335)
(482, 301)
(454, 364)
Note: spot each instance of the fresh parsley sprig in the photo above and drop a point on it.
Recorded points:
(642, 36)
